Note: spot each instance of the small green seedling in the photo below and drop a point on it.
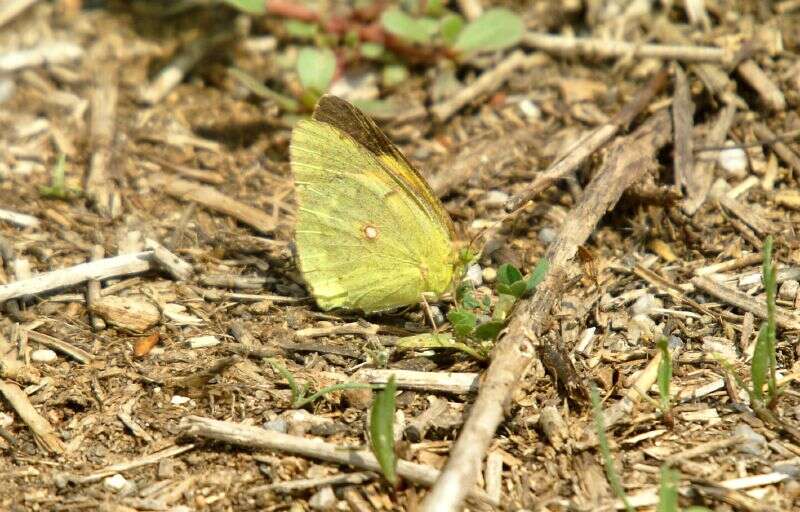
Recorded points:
(473, 329)
(315, 68)
(58, 188)
(668, 490)
(284, 102)
(300, 398)
(664, 376)
(764, 364)
(254, 7)
(494, 30)
(381, 431)
(605, 450)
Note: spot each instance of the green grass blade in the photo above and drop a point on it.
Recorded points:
(605, 451)
(381, 430)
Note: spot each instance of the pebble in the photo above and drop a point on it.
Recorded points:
(489, 274)
(789, 289)
(644, 304)
(44, 355)
(530, 109)
(179, 400)
(793, 470)
(6, 90)
(754, 443)
(734, 161)
(474, 275)
(117, 483)
(324, 499)
(547, 235)
(203, 342)
(495, 198)
(438, 316)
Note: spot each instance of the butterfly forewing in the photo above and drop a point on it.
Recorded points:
(365, 239)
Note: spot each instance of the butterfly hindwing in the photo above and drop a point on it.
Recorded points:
(364, 239)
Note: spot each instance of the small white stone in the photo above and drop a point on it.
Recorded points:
(753, 443)
(115, 483)
(495, 198)
(547, 235)
(474, 275)
(734, 161)
(788, 289)
(203, 342)
(44, 355)
(6, 90)
(530, 109)
(179, 400)
(436, 314)
(324, 499)
(489, 274)
(644, 304)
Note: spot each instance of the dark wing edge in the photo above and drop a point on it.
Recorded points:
(347, 118)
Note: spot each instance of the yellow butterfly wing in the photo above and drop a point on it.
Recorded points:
(370, 233)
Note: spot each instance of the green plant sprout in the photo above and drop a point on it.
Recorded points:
(299, 394)
(668, 490)
(420, 32)
(764, 363)
(248, 6)
(58, 188)
(664, 376)
(381, 431)
(605, 450)
(494, 30)
(469, 335)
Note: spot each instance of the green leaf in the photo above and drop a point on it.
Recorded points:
(605, 450)
(508, 274)
(450, 26)
(394, 75)
(494, 30)
(381, 430)
(301, 29)
(771, 287)
(516, 289)
(664, 373)
(668, 490)
(286, 103)
(538, 274)
(58, 188)
(248, 6)
(504, 305)
(463, 322)
(437, 341)
(415, 30)
(465, 295)
(372, 50)
(760, 364)
(489, 330)
(316, 68)
(434, 7)
(303, 400)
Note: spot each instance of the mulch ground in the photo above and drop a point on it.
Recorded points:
(101, 378)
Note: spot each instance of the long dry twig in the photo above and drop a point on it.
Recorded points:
(591, 142)
(590, 47)
(629, 159)
(254, 437)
